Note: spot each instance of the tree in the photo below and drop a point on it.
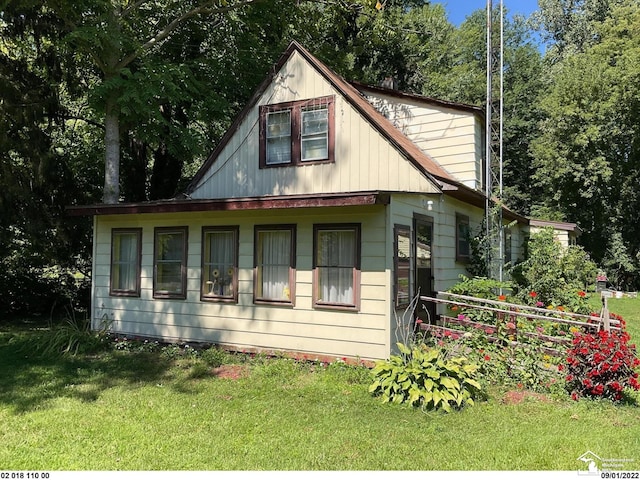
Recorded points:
(120, 39)
(587, 159)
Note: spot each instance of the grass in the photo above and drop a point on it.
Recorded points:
(148, 411)
(628, 308)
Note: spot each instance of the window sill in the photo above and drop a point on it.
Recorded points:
(273, 303)
(336, 306)
(117, 293)
(169, 296)
(218, 299)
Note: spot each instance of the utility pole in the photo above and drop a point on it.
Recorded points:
(493, 146)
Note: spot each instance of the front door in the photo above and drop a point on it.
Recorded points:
(423, 254)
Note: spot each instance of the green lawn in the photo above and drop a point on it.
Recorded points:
(144, 411)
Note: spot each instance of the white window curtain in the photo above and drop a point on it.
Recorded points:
(274, 261)
(125, 253)
(335, 263)
(278, 137)
(219, 263)
(315, 134)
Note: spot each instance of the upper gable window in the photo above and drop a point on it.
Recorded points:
(297, 133)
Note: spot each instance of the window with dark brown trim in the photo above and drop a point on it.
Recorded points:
(274, 264)
(126, 248)
(219, 264)
(402, 265)
(336, 266)
(297, 133)
(463, 237)
(170, 262)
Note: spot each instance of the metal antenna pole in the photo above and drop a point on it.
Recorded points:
(493, 147)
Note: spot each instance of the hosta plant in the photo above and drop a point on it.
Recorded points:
(601, 365)
(423, 377)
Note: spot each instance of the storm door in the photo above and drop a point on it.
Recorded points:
(423, 254)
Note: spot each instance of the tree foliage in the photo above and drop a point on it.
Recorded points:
(157, 83)
(587, 158)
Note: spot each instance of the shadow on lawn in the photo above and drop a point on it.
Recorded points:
(30, 380)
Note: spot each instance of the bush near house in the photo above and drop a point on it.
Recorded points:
(555, 273)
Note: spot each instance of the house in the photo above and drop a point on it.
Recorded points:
(324, 209)
(565, 232)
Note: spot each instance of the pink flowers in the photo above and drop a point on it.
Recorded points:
(511, 325)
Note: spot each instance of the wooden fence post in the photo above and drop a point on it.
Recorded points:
(604, 315)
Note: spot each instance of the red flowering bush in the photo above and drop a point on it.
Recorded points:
(601, 365)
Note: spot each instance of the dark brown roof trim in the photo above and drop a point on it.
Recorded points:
(419, 98)
(477, 199)
(252, 203)
(568, 226)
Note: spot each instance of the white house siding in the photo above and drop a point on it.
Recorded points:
(364, 160)
(246, 325)
(451, 137)
(443, 210)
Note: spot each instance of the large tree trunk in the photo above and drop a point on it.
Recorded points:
(111, 193)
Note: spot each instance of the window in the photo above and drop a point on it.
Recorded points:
(297, 133)
(507, 246)
(219, 264)
(125, 262)
(336, 265)
(463, 233)
(170, 263)
(274, 261)
(402, 262)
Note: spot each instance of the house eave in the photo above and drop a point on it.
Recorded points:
(569, 227)
(234, 204)
(478, 199)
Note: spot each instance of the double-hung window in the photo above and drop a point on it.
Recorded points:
(336, 265)
(170, 262)
(126, 245)
(274, 263)
(220, 264)
(297, 133)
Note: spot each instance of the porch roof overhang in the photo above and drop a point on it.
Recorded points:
(234, 204)
(474, 197)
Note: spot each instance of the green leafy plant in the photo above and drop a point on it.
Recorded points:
(553, 275)
(74, 336)
(214, 357)
(422, 377)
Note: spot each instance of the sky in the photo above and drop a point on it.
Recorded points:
(457, 10)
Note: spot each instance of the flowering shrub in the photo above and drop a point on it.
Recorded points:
(601, 365)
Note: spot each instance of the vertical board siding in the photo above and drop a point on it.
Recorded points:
(246, 325)
(364, 160)
(453, 138)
